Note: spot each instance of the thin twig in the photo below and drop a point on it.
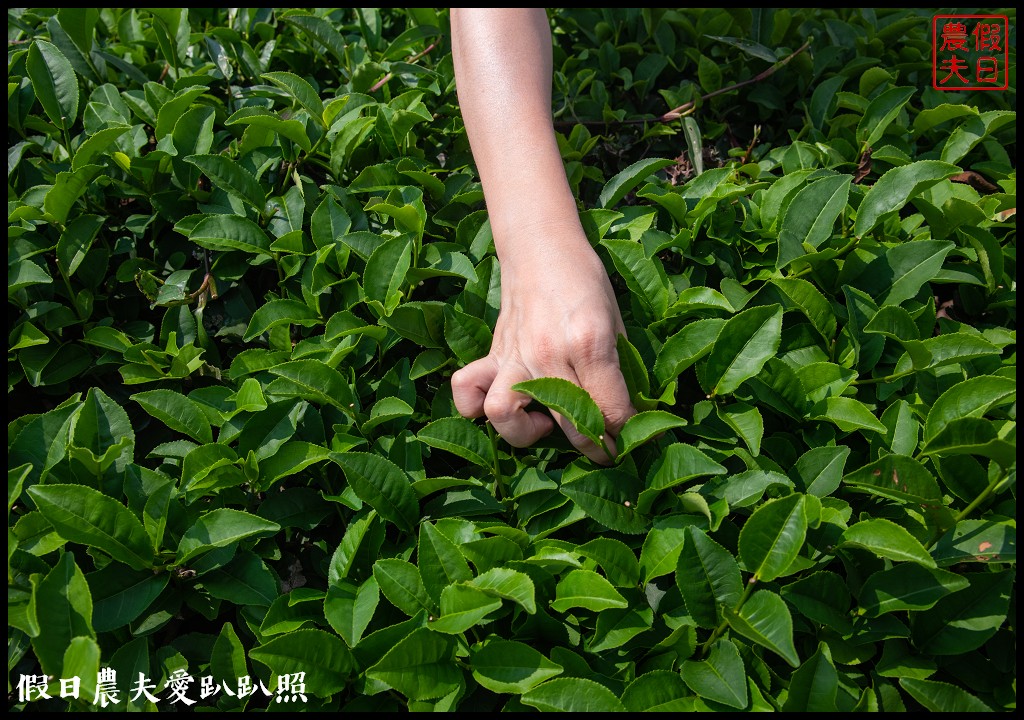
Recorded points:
(412, 58)
(687, 108)
(753, 144)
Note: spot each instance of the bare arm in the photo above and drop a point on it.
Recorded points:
(558, 312)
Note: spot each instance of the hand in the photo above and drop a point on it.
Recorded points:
(558, 318)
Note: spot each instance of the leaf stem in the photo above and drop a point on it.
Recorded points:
(71, 294)
(747, 591)
(411, 59)
(971, 506)
(67, 138)
(887, 378)
(499, 480)
(686, 108)
(982, 497)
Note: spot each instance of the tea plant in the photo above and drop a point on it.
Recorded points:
(248, 247)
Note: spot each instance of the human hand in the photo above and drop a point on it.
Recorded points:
(558, 318)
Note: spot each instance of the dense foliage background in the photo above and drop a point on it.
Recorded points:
(247, 248)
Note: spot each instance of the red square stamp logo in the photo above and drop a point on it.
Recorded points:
(970, 52)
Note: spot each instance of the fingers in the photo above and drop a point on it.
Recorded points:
(580, 440)
(470, 385)
(604, 381)
(482, 388)
(506, 409)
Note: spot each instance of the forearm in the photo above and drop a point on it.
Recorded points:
(503, 73)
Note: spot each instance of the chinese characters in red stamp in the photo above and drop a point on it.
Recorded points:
(970, 52)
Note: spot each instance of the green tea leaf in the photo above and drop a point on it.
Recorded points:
(896, 188)
(440, 562)
(586, 589)
(897, 477)
(970, 398)
(246, 580)
(421, 666)
(467, 336)
(290, 458)
(880, 114)
(609, 497)
(644, 276)
(232, 177)
(617, 626)
(972, 436)
(642, 427)
(721, 677)
(847, 414)
(765, 619)
(54, 82)
(227, 658)
(886, 539)
(744, 345)
(747, 422)
(401, 583)
(907, 587)
(386, 269)
(977, 541)
(658, 691)
(382, 485)
(814, 685)
(83, 515)
(230, 232)
(384, 410)
(569, 400)
(509, 584)
(61, 598)
(822, 597)
(507, 666)
(176, 412)
(966, 619)
(82, 661)
(301, 91)
(663, 544)
(936, 696)
(315, 380)
(460, 437)
(321, 30)
(616, 188)
(219, 528)
(462, 607)
(772, 537)
(120, 595)
(323, 657)
(76, 240)
(707, 576)
(801, 295)
(349, 609)
(616, 559)
(819, 471)
(685, 348)
(572, 694)
(291, 129)
(811, 217)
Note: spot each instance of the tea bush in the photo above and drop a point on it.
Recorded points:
(248, 247)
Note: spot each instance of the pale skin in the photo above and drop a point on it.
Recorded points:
(558, 313)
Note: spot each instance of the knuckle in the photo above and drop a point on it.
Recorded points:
(499, 410)
(461, 382)
(589, 345)
(547, 351)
